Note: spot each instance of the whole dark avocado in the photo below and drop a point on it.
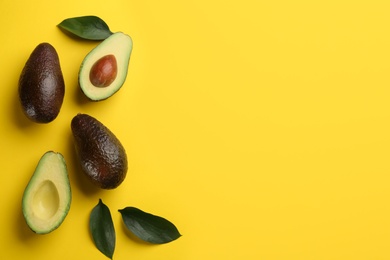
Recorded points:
(41, 85)
(101, 155)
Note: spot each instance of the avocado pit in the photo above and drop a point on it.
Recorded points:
(104, 71)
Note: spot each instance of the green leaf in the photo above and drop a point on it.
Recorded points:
(148, 227)
(86, 27)
(102, 229)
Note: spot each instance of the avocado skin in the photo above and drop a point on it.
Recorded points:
(41, 85)
(101, 155)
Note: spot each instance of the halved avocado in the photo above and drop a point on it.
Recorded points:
(104, 69)
(47, 197)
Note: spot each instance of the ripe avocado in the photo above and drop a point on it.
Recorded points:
(47, 197)
(104, 69)
(41, 85)
(101, 155)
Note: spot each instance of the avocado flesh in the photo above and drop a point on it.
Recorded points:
(101, 155)
(41, 85)
(47, 197)
(119, 45)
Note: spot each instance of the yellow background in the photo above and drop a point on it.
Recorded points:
(261, 129)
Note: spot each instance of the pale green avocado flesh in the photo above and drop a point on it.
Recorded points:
(120, 46)
(47, 197)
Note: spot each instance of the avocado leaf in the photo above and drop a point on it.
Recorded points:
(148, 227)
(86, 27)
(102, 229)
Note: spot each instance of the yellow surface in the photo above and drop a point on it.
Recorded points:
(260, 128)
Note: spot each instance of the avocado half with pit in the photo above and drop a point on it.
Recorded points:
(104, 69)
(47, 197)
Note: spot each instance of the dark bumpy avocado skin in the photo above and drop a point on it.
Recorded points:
(41, 85)
(101, 155)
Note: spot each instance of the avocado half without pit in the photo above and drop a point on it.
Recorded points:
(104, 69)
(47, 197)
